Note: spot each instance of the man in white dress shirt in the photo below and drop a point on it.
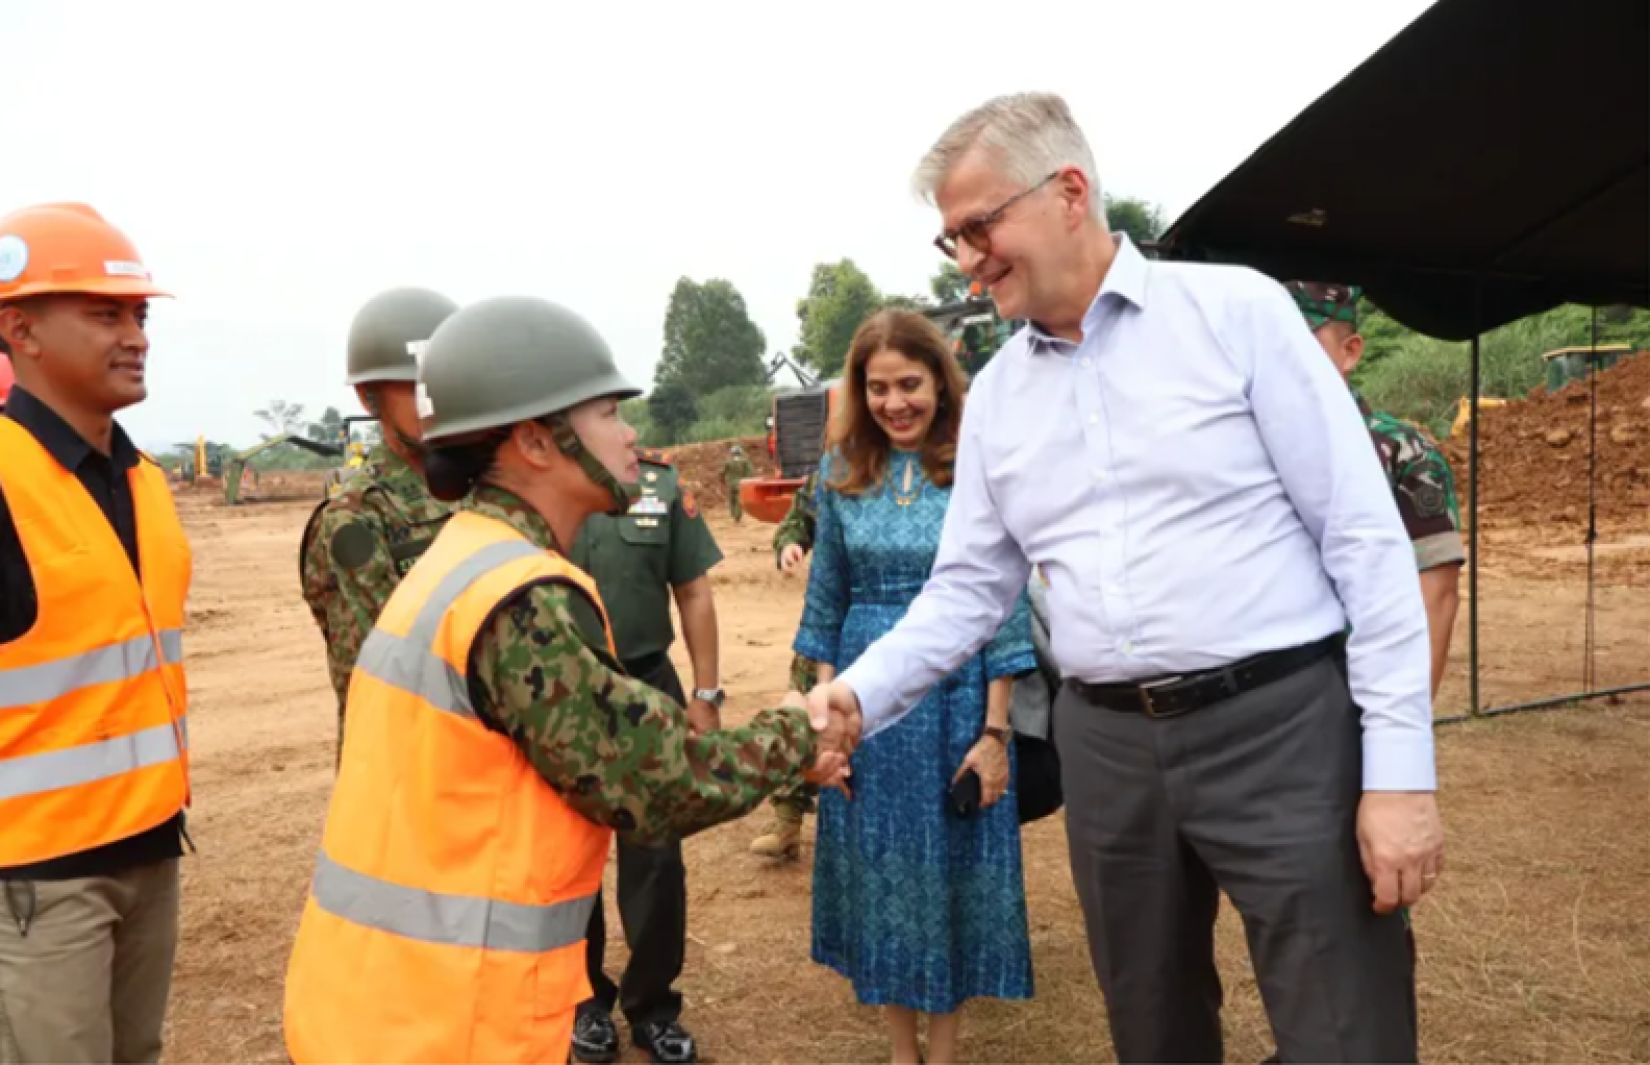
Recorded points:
(1169, 444)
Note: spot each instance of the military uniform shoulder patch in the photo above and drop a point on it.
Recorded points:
(352, 545)
(657, 458)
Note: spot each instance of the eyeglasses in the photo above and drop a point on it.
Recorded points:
(977, 231)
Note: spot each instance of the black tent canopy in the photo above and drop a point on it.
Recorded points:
(1490, 162)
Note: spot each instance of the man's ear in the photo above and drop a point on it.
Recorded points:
(16, 331)
(1352, 352)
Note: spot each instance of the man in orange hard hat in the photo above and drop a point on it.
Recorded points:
(94, 571)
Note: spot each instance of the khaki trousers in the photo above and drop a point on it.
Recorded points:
(88, 980)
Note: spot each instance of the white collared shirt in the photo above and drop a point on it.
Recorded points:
(1197, 486)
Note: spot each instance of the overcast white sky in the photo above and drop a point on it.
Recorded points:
(277, 164)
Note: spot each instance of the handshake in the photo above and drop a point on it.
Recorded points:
(833, 711)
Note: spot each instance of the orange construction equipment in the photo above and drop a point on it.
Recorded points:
(68, 247)
(800, 423)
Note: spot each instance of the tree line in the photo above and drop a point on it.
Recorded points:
(712, 374)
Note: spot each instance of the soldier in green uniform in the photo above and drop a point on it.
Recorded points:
(792, 540)
(1420, 476)
(737, 468)
(357, 546)
(659, 547)
(525, 428)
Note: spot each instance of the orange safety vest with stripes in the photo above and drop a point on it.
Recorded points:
(93, 741)
(446, 918)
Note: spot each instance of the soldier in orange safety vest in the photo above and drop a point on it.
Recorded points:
(94, 571)
(492, 744)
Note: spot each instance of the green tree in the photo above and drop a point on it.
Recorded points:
(1142, 221)
(839, 298)
(672, 408)
(710, 340)
(330, 429)
(282, 417)
(949, 285)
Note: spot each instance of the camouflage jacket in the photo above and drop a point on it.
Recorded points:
(797, 527)
(736, 470)
(618, 751)
(1423, 486)
(357, 547)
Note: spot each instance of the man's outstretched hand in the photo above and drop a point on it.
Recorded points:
(833, 710)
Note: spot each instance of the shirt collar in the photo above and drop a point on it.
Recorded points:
(1125, 280)
(489, 500)
(59, 438)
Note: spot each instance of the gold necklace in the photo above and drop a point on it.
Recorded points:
(904, 497)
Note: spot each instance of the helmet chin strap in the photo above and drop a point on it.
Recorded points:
(413, 446)
(567, 441)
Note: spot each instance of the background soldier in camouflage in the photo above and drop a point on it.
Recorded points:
(793, 539)
(736, 469)
(661, 547)
(357, 547)
(1420, 476)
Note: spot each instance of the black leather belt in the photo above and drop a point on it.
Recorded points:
(1185, 692)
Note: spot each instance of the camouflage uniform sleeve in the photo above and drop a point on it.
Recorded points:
(797, 527)
(618, 751)
(1425, 490)
(348, 576)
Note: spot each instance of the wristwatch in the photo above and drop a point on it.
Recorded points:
(713, 696)
(997, 733)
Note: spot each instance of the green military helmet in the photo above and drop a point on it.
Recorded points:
(513, 359)
(387, 331)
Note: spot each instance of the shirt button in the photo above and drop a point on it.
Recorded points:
(1094, 419)
(1128, 647)
(1099, 474)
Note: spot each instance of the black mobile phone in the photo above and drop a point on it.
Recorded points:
(965, 795)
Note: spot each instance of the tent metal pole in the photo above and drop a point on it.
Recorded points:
(1472, 504)
(1589, 668)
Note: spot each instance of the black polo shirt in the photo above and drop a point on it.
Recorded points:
(105, 478)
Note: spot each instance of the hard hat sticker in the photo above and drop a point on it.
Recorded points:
(416, 349)
(14, 257)
(121, 268)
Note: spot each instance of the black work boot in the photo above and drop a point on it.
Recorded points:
(595, 1039)
(666, 1042)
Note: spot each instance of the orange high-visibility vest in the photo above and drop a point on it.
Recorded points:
(93, 747)
(446, 918)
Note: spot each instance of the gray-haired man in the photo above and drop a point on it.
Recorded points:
(1168, 443)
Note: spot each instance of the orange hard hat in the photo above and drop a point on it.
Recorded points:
(68, 247)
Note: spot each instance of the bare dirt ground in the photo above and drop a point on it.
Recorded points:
(1535, 947)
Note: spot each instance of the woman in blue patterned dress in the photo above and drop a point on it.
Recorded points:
(920, 908)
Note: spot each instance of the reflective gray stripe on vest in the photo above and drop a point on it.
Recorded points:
(408, 662)
(116, 661)
(36, 773)
(451, 920)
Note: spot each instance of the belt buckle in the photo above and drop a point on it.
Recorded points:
(1146, 703)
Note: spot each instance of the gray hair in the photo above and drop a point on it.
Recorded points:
(1031, 135)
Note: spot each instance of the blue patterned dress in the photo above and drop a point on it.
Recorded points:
(917, 908)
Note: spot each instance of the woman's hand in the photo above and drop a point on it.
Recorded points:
(988, 759)
(790, 558)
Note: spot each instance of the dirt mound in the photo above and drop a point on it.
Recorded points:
(701, 466)
(1533, 452)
